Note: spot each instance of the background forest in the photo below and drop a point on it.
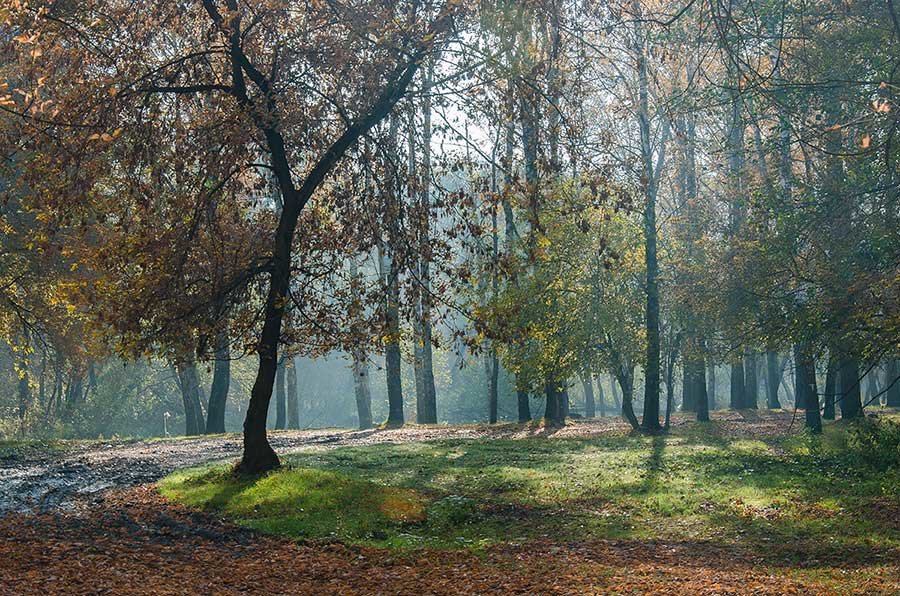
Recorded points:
(547, 209)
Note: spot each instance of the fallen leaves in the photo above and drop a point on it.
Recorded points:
(137, 543)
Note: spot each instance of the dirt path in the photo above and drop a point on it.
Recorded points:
(47, 481)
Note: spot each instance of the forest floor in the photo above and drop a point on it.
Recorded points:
(746, 504)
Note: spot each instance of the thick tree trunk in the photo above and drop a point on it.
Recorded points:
(218, 391)
(190, 395)
(554, 414)
(807, 393)
(850, 399)
(293, 399)
(361, 389)
(280, 398)
(688, 395)
(737, 386)
(773, 380)
(524, 405)
(751, 381)
(711, 384)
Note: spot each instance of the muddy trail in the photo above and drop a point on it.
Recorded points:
(77, 473)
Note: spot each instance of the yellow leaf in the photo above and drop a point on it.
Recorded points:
(866, 141)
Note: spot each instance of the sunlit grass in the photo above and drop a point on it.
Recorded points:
(798, 493)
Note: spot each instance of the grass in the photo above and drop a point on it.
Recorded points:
(798, 497)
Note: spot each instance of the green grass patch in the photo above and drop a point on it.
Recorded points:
(799, 496)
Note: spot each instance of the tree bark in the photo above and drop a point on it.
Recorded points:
(524, 405)
(751, 381)
(601, 398)
(280, 397)
(850, 399)
(554, 414)
(587, 384)
(293, 399)
(190, 395)
(625, 377)
(807, 393)
(218, 391)
(651, 368)
(737, 386)
(361, 389)
(830, 382)
(892, 381)
(773, 380)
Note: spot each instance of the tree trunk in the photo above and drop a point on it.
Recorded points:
(361, 389)
(24, 387)
(218, 391)
(773, 380)
(626, 382)
(651, 367)
(601, 400)
(392, 354)
(737, 386)
(702, 396)
(492, 366)
(280, 398)
(524, 406)
(807, 393)
(892, 382)
(751, 383)
(711, 384)
(293, 399)
(190, 395)
(830, 382)
(850, 399)
(554, 414)
(587, 384)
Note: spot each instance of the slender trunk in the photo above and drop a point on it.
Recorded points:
(24, 386)
(361, 389)
(626, 381)
(773, 380)
(429, 407)
(218, 391)
(711, 384)
(280, 397)
(702, 396)
(492, 366)
(830, 382)
(392, 310)
(892, 382)
(651, 367)
(614, 388)
(293, 399)
(601, 399)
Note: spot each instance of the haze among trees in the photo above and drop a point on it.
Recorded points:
(595, 229)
